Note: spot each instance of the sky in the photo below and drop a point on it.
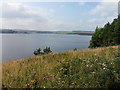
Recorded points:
(57, 16)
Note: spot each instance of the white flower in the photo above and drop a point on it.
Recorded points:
(93, 72)
(104, 68)
(87, 65)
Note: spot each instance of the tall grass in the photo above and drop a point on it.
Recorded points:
(89, 68)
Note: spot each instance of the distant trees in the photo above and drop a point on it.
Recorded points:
(107, 36)
(45, 51)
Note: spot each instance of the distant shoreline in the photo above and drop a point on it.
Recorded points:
(9, 31)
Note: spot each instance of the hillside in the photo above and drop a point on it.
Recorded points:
(89, 68)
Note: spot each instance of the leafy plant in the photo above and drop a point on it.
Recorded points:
(37, 51)
(75, 49)
(47, 50)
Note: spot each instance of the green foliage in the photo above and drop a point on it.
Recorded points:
(97, 73)
(75, 49)
(45, 51)
(107, 36)
(37, 51)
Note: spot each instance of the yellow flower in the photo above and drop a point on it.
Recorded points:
(28, 85)
(32, 81)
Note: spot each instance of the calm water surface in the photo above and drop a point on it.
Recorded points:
(16, 46)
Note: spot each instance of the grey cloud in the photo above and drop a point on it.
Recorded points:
(20, 12)
(119, 7)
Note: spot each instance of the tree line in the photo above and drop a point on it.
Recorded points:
(107, 36)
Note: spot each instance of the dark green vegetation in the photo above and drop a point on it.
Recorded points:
(7, 31)
(75, 32)
(45, 51)
(91, 68)
(107, 36)
(12, 31)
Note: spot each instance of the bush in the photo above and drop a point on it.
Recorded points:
(75, 49)
(45, 51)
(37, 51)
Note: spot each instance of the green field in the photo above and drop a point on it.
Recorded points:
(90, 68)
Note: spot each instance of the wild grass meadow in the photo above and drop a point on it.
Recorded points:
(90, 68)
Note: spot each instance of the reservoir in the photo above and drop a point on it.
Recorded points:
(17, 46)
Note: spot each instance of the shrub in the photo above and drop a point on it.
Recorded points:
(45, 51)
(75, 49)
(37, 51)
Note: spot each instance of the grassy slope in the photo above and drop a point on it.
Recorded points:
(83, 68)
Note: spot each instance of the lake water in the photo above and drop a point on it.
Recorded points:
(16, 46)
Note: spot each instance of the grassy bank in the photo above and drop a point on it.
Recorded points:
(89, 68)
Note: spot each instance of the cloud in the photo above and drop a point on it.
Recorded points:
(81, 3)
(103, 13)
(22, 16)
(19, 10)
(62, 6)
(119, 7)
(25, 16)
(92, 23)
(101, 21)
(62, 0)
(105, 9)
(93, 20)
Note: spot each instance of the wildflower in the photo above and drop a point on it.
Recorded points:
(59, 78)
(87, 65)
(93, 72)
(96, 59)
(72, 83)
(32, 81)
(114, 71)
(104, 64)
(80, 78)
(61, 69)
(63, 81)
(104, 68)
(91, 65)
(28, 85)
(70, 66)
(65, 75)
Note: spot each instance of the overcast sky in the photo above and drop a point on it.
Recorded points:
(57, 16)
